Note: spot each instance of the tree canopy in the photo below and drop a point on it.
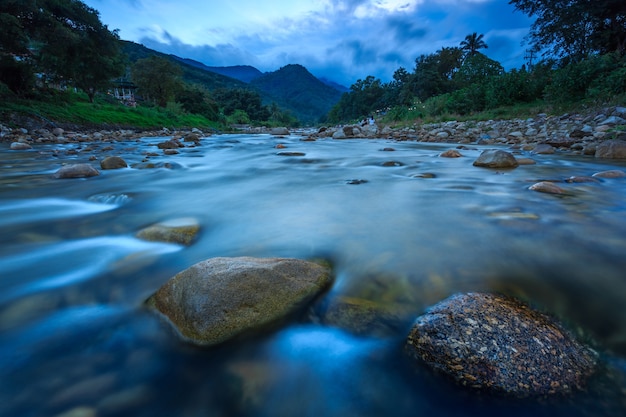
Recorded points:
(64, 40)
(574, 29)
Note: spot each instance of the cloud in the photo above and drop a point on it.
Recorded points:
(343, 40)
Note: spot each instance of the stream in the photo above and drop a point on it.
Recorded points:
(399, 223)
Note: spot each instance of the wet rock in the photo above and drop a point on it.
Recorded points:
(546, 187)
(498, 344)
(192, 137)
(113, 162)
(155, 165)
(222, 298)
(170, 152)
(613, 173)
(20, 146)
(76, 171)
(182, 231)
(496, 159)
(364, 317)
(581, 179)
(543, 149)
(292, 153)
(451, 153)
(356, 181)
(279, 131)
(611, 149)
(392, 164)
(170, 144)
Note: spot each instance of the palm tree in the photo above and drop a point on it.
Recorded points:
(473, 43)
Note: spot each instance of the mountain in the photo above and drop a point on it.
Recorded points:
(291, 87)
(295, 88)
(334, 85)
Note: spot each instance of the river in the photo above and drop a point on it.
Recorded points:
(392, 217)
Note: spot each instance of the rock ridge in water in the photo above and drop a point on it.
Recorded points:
(498, 344)
(221, 298)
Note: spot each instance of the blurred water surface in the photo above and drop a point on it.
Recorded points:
(74, 336)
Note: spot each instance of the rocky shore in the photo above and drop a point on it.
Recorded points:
(601, 133)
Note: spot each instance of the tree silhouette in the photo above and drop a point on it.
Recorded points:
(473, 43)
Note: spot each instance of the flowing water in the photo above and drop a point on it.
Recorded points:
(400, 226)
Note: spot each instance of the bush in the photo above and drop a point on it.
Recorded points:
(588, 78)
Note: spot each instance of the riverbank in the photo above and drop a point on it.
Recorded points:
(579, 133)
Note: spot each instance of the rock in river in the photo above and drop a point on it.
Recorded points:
(182, 231)
(221, 298)
(496, 159)
(499, 344)
(113, 162)
(76, 171)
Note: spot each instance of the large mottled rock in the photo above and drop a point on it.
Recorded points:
(113, 162)
(20, 146)
(496, 158)
(499, 344)
(76, 171)
(611, 149)
(182, 231)
(222, 298)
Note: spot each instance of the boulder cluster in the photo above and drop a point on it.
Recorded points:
(483, 341)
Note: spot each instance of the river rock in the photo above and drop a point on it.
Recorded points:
(496, 159)
(543, 149)
(182, 231)
(611, 149)
(612, 173)
(546, 187)
(451, 153)
(76, 171)
(498, 344)
(279, 131)
(222, 298)
(113, 162)
(20, 146)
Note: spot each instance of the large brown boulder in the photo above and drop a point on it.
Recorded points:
(221, 298)
(611, 149)
(499, 344)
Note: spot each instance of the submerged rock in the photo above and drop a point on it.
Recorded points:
(182, 231)
(499, 344)
(221, 298)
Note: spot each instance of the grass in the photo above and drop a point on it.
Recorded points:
(75, 108)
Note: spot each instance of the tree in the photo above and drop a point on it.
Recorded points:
(472, 44)
(574, 29)
(157, 79)
(231, 100)
(63, 39)
(434, 73)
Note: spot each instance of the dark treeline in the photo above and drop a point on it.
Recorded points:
(51, 45)
(581, 43)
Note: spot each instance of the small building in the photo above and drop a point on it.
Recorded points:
(124, 90)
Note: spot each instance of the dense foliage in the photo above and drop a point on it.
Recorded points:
(584, 44)
(62, 41)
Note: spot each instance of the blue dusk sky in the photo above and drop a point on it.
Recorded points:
(341, 40)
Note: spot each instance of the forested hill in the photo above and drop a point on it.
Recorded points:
(292, 87)
(295, 88)
(191, 73)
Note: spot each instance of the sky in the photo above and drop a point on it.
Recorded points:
(340, 40)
